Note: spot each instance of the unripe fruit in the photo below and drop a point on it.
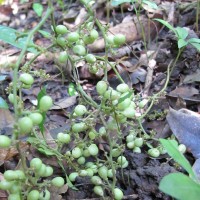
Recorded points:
(90, 172)
(80, 110)
(103, 172)
(92, 135)
(111, 94)
(143, 103)
(33, 195)
(182, 148)
(123, 87)
(45, 195)
(61, 41)
(15, 188)
(79, 127)
(101, 87)
(73, 37)
(154, 152)
(87, 39)
(63, 57)
(72, 176)
(110, 173)
(36, 118)
(118, 194)
(98, 190)
(83, 173)
(11, 98)
(90, 58)
(86, 153)
(58, 181)
(5, 141)
(129, 112)
(76, 152)
(79, 50)
(121, 160)
(93, 149)
(110, 39)
(130, 138)
(63, 137)
(25, 125)
(94, 168)
(81, 160)
(45, 103)
(20, 175)
(96, 180)
(61, 29)
(48, 171)
(42, 170)
(14, 197)
(5, 185)
(26, 78)
(36, 164)
(102, 131)
(119, 39)
(124, 165)
(130, 145)
(115, 152)
(94, 34)
(124, 104)
(139, 142)
(137, 150)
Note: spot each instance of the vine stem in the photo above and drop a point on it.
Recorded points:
(21, 56)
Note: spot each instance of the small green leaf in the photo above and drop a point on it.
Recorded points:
(196, 45)
(177, 156)
(180, 187)
(46, 151)
(45, 33)
(3, 103)
(38, 8)
(118, 2)
(182, 43)
(150, 4)
(194, 40)
(165, 23)
(11, 36)
(181, 32)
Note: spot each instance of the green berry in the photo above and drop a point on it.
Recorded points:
(25, 125)
(90, 58)
(61, 29)
(93, 149)
(58, 182)
(79, 127)
(5, 141)
(26, 78)
(101, 87)
(80, 110)
(119, 39)
(98, 190)
(79, 50)
(118, 194)
(36, 164)
(76, 152)
(72, 176)
(96, 180)
(33, 195)
(45, 103)
(103, 172)
(63, 57)
(121, 160)
(123, 87)
(73, 37)
(154, 152)
(36, 118)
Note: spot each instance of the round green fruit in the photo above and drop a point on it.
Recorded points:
(101, 87)
(48, 171)
(119, 39)
(72, 176)
(118, 194)
(80, 110)
(61, 29)
(79, 50)
(98, 190)
(103, 172)
(73, 37)
(14, 197)
(26, 78)
(25, 125)
(96, 180)
(93, 149)
(33, 195)
(36, 164)
(5, 185)
(5, 141)
(123, 87)
(58, 181)
(79, 127)
(61, 41)
(11, 98)
(90, 58)
(36, 118)
(45, 103)
(63, 57)
(76, 152)
(154, 152)
(94, 34)
(121, 160)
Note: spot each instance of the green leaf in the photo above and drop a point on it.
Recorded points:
(11, 36)
(38, 8)
(150, 4)
(118, 2)
(182, 43)
(45, 34)
(194, 40)
(181, 32)
(177, 156)
(46, 151)
(196, 45)
(165, 23)
(180, 187)
(3, 103)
